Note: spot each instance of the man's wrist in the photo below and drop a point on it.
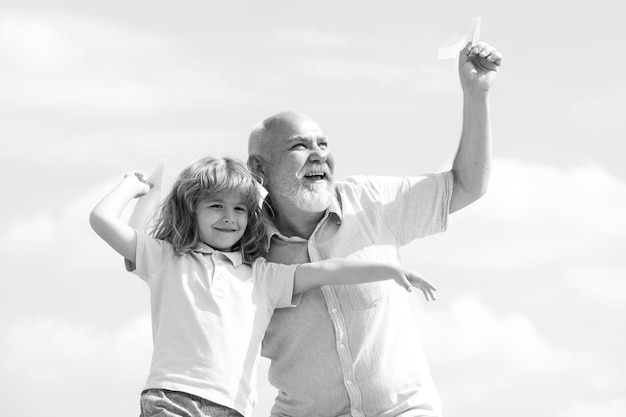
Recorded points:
(473, 93)
(476, 100)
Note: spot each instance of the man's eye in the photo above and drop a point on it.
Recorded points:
(298, 146)
(323, 145)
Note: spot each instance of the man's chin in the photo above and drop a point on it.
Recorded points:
(307, 197)
(314, 200)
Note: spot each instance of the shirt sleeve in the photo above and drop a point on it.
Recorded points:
(150, 256)
(277, 282)
(412, 207)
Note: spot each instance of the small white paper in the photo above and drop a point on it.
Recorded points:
(451, 48)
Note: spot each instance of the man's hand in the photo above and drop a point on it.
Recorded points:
(478, 66)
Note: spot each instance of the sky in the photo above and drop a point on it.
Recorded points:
(531, 278)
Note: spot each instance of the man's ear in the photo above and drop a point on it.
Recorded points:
(256, 164)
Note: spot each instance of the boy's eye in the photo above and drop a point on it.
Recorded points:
(241, 209)
(215, 206)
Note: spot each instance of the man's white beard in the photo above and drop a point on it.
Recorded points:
(315, 198)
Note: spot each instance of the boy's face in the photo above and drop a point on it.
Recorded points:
(222, 219)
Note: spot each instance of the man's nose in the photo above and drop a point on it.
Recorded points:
(318, 154)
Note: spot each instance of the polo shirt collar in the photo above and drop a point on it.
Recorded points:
(234, 257)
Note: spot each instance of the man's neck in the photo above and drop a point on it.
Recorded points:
(295, 222)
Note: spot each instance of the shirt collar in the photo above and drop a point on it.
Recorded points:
(333, 209)
(234, 257)
(335, 206)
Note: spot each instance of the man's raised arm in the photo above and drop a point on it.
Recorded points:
(478, 66)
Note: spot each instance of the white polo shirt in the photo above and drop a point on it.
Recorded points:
(209, 315)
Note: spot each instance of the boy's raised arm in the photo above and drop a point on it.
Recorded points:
(105, 217)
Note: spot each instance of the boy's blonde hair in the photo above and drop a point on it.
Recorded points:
(176, 221)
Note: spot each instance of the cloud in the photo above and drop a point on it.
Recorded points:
(40, 42)
(600, 284)
(311, 38)
(59, 60)
(484, 359)
(425, 79)
(53, 360)
(468, 334)
(579, 195)
(613, 407)
(71, 65)
(539, 216)
(320, 62)
(603, 109)
(71, 346)
(530, 278)
(33, 232)
(40, 229)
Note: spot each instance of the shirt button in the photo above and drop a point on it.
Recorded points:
(341, 346)
(334, 310)
(348, 382)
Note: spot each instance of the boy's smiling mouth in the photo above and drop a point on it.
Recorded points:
(225, 230)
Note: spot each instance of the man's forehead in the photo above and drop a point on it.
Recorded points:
(298, 130)
(306, 137)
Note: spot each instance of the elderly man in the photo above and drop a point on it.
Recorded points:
(354, 350)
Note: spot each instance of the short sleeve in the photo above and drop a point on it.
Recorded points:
(277, 282)
(412, 207)
(151, 254)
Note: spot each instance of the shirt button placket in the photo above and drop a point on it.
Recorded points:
(345, 357)
(218, 282)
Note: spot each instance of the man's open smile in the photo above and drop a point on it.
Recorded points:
(315, 177)
(316, 174)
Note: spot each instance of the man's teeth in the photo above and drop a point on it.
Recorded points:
(318, 176)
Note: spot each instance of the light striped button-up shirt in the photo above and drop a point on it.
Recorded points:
(354, 350)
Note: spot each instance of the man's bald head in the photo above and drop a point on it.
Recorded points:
(279, 126)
